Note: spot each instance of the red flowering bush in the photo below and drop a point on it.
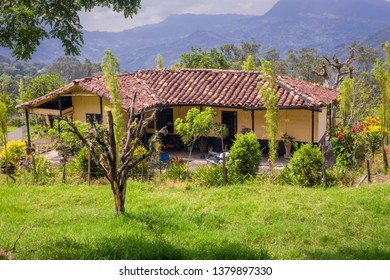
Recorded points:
(345, 142)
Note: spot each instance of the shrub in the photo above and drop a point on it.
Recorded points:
(79, 165)
(177, 169)
(43, 174)
(305, 167)
(340, 174)
(372, 134)
(245, 154)
(141, 169)
(345, 142)
(16, 121)
(208, 176)
(16, 151)
(67, 141)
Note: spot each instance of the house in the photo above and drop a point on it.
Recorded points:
(234, 95)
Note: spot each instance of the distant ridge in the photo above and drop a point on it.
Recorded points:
(290, 24)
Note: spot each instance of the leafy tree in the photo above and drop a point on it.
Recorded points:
(9, 85)
(279, 65)
(237, 55)
(199, 58)
(303, 64)
(269, 95)
(41, 85)
(111, 70)
(70, 68)
(159, 61)
(365, 57)
(4, 98)
(221, 131)
(196, 125)
(382, 75)
(24, 24)
(249, 63)
(346, 90)
(366, 97)
(90, 68)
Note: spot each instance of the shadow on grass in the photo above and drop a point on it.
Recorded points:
(137, 248)
(150, 244)
(349, 254)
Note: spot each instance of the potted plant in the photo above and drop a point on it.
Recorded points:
(287, 140)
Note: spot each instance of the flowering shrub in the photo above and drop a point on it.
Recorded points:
(372, 133)
(345, 142)
(16, 151)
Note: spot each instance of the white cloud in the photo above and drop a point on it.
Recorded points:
(154, 11)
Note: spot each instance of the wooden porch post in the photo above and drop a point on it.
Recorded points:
(312, 126)
(101, 107)
(28, 128)
(253, 120)
(60, 108)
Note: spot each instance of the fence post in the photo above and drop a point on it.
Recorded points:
(224, 168)
(368, 171)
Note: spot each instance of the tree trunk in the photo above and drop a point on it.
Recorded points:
(189, 156)
(385, 161)
(119, 193)
(333, 114)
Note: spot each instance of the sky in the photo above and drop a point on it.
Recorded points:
(155, 11)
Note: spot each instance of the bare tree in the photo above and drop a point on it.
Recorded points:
(339, 70)
(103, 146)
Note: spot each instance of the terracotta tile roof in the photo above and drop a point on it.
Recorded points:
(225, 88)
(230, 88)
(129, 84)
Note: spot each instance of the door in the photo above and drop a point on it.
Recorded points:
(229, 118)
(166, 119)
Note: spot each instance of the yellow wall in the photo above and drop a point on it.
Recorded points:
(83, 105)
(297, 123)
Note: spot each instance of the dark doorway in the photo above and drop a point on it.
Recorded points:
(229, 118)
(166, 119)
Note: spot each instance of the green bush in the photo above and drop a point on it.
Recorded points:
(177, 169)
(140, 171)
(79, 165)
(16, 151)
(208, 176)
(245, 154)
(16, 121)
(340, 174)
(43, 174)
(305, 168)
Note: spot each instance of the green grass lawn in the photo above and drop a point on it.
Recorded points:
(237, 222)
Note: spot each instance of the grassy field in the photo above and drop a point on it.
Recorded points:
(237, 222)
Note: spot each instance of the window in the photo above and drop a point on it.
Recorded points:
(94, 117)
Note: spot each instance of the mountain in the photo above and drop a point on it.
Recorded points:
(290, 24)
(368, 9)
